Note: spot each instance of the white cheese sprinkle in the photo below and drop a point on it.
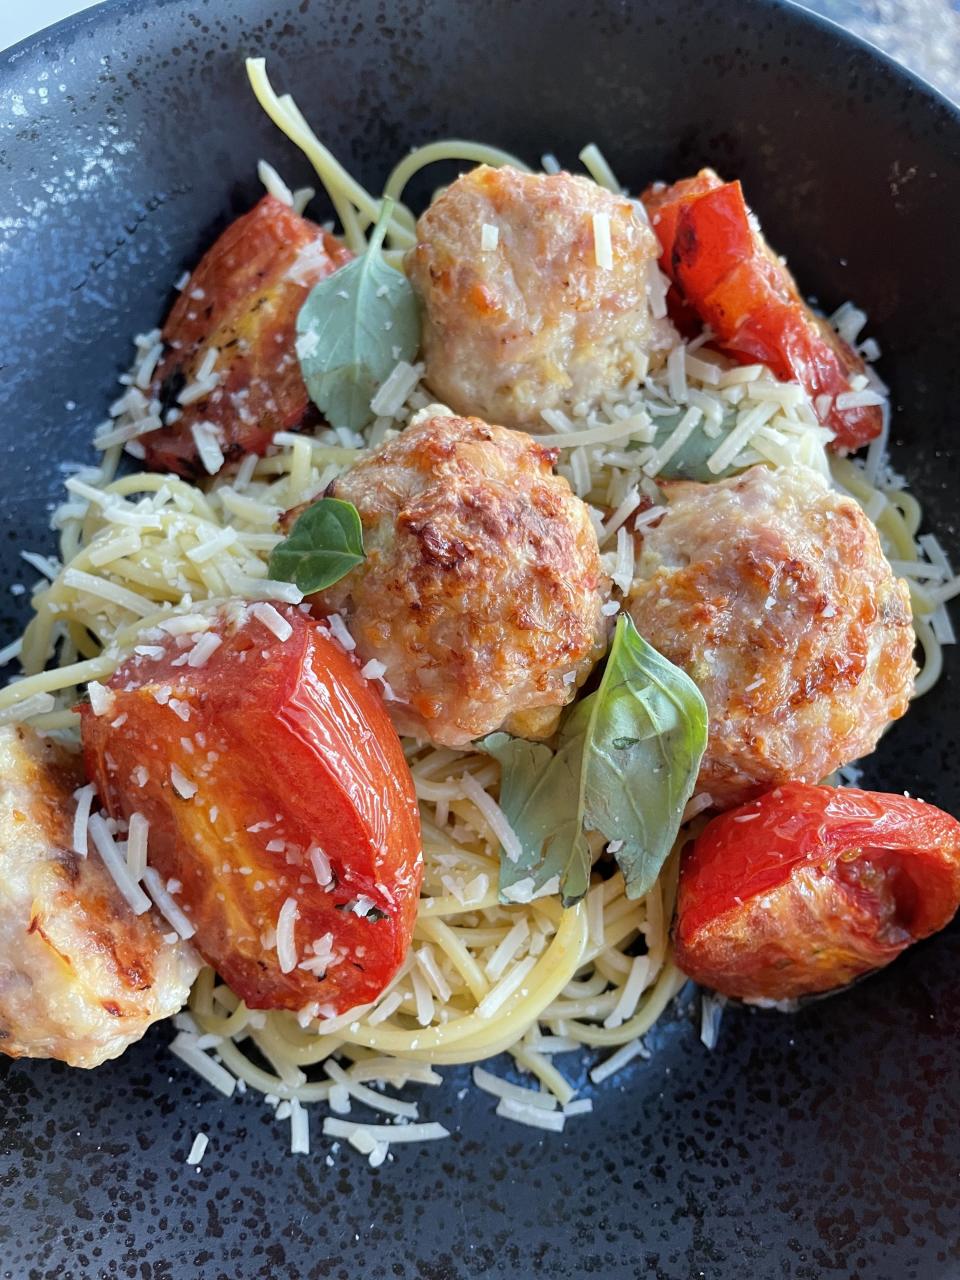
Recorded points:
(493, 815)
(164, 901)
(137, 845)
(275, 622)
(711, 1011)
(274, 184)
(602, 245)
(116, 865)
(207, 549)
(299, 1129)
(36, 705)
(84, 799)
(497, 996)
(206, 438)
(205, 647)
(286, 939)
(198, 1149)
(535, 1117)
(182, 784)
(499, 1088)
(185, 1046)
(321, 865)
(616, 1061)
(430, 1132)
(338, 629)
(396, 387)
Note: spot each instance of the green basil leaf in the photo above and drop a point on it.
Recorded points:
(538, 794)
(353, 328)
(690, 460)
(325, 544)
(637, 793)
(625, 765)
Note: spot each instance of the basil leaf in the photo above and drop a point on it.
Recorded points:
(353, 328)
(636, 791)
(626, 764)
(690, 460)
(325, 544)
(538, 794)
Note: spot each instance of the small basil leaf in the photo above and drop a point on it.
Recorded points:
(538, 794)
(325, 544)
(353, 328)
(638, 794)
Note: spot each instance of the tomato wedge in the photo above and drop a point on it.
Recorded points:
(809, 887)
(724, 270)
(241, 302)
(278, 797)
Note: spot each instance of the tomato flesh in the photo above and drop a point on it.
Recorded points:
(807, 888)
(245, 767)
(723, 269)
(241, 301)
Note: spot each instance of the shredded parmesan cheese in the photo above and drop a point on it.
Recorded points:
(489, 237)
(165, 903)
(286, 941)
(602, 245)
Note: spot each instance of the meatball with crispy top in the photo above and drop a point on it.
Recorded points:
(481, 591)
(81, 976)
(523, 310)
(772, 592)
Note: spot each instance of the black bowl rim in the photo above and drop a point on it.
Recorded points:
(791, 10)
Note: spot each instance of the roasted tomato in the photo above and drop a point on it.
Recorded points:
(809, 887)
(241, 304)
(278, 799)
(723, 268)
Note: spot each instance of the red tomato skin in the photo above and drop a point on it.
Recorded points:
(288, 739)
(241, 300)
(809, 887)
(663, 204)
(724, 270)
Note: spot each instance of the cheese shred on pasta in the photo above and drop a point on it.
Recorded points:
(483, 977)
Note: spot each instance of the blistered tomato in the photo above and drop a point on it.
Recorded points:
(279, 801)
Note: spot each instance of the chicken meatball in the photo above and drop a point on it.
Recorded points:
(81, 976)
(771, 591)
(481, 591)
(535, 321)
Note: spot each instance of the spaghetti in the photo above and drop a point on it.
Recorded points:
(482, 977)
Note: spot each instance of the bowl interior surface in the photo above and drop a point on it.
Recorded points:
(821, 1144)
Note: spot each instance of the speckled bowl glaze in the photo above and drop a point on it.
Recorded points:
(825, 1144)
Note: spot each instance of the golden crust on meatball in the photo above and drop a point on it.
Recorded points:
(81, 976)
(482, 589)
(771, 591)
(533, 323)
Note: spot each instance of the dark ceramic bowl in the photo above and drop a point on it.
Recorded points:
(826, 1144)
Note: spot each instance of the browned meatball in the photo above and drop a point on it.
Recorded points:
(771, 591)
(482, 589)
(533, 323)
(81, 976)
